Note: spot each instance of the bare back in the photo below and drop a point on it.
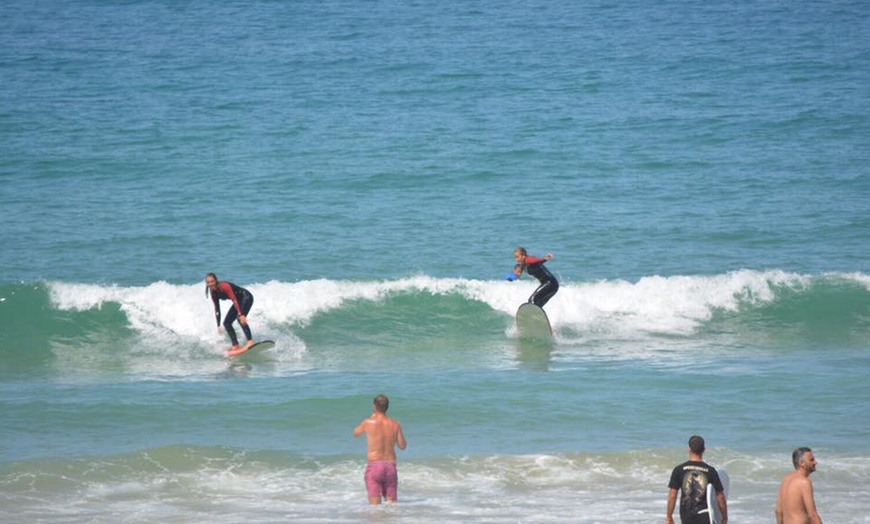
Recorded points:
(795, 504)
(384, 434)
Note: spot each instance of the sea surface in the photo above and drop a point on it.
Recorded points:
(699, 170)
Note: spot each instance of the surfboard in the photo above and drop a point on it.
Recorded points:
(256, 348)
(712, 502)
(532, 322)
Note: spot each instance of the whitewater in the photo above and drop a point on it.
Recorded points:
(698, 171)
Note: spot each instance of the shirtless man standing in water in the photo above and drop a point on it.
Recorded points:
(384, 434)
(796, 504)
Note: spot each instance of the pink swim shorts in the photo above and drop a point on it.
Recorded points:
(382, 480)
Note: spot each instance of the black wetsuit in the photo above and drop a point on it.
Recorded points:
(549, 284)
(242, 301)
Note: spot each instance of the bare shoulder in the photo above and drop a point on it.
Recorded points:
(796, 482)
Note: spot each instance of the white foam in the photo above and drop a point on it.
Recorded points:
(860, 278)
(498, 488)
(152, 310)
(674, 305)
(176, 332)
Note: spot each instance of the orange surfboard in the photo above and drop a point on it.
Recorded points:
(256, 348)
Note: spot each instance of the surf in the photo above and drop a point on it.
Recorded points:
(55, 320)
(222, 484)
(668, 305)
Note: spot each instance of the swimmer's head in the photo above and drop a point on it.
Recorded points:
(381, 403)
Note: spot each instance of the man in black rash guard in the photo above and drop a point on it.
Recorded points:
(242, 300)
(535, 267)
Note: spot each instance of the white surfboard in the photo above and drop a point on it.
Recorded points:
(532, 323)
(712, 502)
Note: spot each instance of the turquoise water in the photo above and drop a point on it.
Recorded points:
(698, 171)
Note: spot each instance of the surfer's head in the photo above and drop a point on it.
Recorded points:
(520, 254)
(211, 282)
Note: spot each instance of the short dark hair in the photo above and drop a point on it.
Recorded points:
(798, 455)
(696, 444)
(382, 403)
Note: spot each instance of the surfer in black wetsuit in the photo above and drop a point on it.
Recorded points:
(535, 267)
(242, 300)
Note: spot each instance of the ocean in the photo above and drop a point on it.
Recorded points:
(699, 171)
